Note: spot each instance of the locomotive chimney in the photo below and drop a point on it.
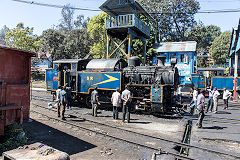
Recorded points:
(161, 60)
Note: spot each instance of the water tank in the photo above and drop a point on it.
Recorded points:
(134, 61)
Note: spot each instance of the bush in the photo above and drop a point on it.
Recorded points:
(13, 138)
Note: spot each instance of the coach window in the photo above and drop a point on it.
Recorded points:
(56, 66)
(182, 58)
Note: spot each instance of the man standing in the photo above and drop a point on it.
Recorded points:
(58, 99)
(69, 97)
(116, 100)
(63, 99)
(126, 94)
(200, 107)
(226, 95)
(95, 102)
(215, 99)
(194, 100)
(210, 98)
(179, 94)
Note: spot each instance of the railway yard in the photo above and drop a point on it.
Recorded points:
(146, 137)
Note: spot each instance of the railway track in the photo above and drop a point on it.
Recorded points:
(106, 134)
(183, 145)
(227, 120)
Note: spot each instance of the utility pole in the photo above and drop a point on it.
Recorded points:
(235, 75)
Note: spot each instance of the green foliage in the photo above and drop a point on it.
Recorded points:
(71, 40)
(22, 38)
(77, 43)
(173, 17)
(97, 31)
(203, 35)
(138, 46)
(201, 62)
(52, 43)
(12, 138)
(220, 47)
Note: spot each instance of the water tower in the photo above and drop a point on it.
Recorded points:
(125, 24)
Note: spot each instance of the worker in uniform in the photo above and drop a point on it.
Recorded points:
(126, 94)
(116, 101)
(210, 98)
(95, 102)
(201, 108)
(215, 99)
(63, 100)
(58, 99)
(226, 96)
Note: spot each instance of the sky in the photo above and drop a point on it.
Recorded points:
(42, 18)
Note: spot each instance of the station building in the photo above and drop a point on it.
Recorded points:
(234, 50)
(184, 52)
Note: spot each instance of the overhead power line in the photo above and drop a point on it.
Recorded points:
(56, 6)
(97, 10)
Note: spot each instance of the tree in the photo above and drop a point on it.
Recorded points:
(22, 38)
(173, 17)
(203, 35)
(77, 43)
(96, 29)
(3, 33)
(52, 43)
(220, 48)
(67, 23)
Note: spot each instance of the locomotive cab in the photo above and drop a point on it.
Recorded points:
(64, 73)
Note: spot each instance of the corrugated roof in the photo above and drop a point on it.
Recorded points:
(188, 46)
(102, 64)
(127, 7)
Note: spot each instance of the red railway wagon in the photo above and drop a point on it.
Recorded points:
(15, 77)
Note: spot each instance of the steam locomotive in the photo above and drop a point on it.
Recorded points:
(152, 87)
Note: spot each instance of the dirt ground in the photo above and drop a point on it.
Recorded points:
(80, 144)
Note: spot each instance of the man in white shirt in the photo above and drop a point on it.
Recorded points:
(210, 98)
(58, 99)
(215, 99)
(179, 93)
(194, 100)
(116, 100)
(226, 95)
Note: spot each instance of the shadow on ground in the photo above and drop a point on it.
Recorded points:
(214, 127)
(55, 138)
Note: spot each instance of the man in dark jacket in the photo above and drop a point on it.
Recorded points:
(95, 102)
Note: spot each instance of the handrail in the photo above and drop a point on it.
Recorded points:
(129, 20)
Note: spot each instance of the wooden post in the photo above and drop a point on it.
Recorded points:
(129, 45)
(108, 46)
(145, 52)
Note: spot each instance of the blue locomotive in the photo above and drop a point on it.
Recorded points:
(152, 87)
(216, 79)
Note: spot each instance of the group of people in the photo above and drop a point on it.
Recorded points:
(117, 100)
(63, 100)
(198, 102)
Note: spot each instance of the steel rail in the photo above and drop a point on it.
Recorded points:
(117, 138)
(158, 138)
